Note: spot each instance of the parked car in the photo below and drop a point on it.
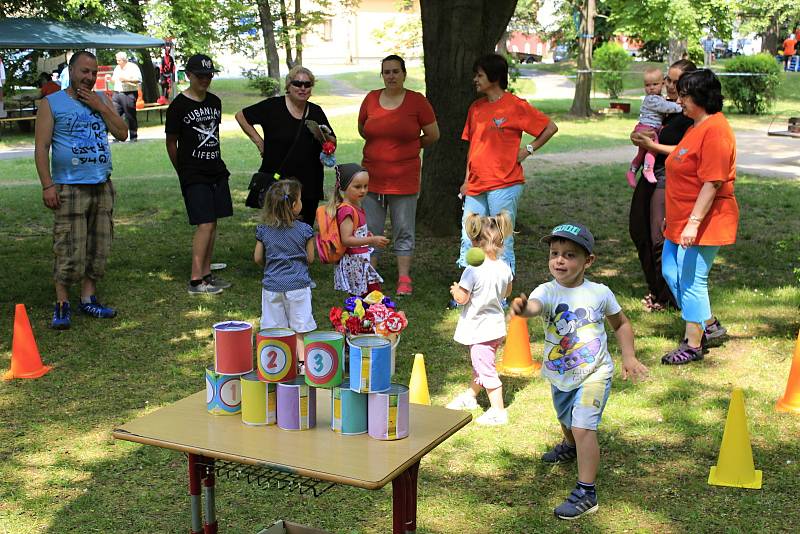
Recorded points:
(522, 57)
(560, 53)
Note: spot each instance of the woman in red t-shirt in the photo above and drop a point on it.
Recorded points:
(701, 210)
(390, 121)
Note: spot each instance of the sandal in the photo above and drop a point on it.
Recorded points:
(683, 354)
(404, 286)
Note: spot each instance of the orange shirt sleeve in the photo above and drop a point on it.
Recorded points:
(533, 120)
(717, 157)
(425, 111)
(466, 134)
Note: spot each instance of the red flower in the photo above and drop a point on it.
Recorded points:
(328, 147)
(353, 325)
(335, 316)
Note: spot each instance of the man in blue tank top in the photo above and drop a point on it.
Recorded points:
(74, 124)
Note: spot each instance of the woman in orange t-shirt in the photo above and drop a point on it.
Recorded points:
(701, 210)
(390, 121)
(494, 179)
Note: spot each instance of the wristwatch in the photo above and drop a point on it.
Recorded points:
(529, 148)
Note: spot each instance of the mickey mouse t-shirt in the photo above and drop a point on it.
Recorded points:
(575, 349)
(197, 126)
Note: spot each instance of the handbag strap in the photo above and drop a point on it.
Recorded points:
(296, 138)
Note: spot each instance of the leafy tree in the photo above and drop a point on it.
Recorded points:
(752, 94)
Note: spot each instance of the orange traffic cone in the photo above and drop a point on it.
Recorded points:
(791, 399)
(139, 100)
(25, 359)
(517, 353)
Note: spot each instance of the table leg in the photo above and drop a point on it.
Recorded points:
(404, 501)
(195, 477)
(210, 526)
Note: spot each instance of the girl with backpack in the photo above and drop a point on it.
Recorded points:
(354, 273)
(285, 248)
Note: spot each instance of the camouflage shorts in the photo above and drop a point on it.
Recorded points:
(83, 231)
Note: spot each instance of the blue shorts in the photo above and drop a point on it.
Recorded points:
(582, 407)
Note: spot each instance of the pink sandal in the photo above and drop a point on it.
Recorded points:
(404, 286)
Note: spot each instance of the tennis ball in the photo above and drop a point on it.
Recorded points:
(475, 256)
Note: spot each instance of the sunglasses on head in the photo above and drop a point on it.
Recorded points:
(299, 83)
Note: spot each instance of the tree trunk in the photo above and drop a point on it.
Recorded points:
(502, 47)
(287, 43)
(134, 14)
(454, 34)
(298, 36)
(268, 33)
(583, 84)
(677, 48)
(770, 40)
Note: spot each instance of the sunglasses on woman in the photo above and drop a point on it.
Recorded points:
(299, 83)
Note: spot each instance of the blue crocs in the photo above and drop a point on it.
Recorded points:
(578, 503)
(62, 317)
(97, 310)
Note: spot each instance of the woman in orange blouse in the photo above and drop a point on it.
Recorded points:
(701, 210)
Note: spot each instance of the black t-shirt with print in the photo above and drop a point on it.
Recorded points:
(197, 126)
(279, 131)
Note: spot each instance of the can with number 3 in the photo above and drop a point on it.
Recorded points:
(324, 358)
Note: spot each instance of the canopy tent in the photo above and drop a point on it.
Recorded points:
(65, 35)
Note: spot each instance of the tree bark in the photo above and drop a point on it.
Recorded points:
(268, 33)
(583, 84)
(677, 47)
(287, 43)
(298, 36)
(135, 18)
(454, 34)
(770, 40)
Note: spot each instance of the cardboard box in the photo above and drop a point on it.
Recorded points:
(287, 527)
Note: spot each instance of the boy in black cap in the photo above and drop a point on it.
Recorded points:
(192, 129)
(576, 359)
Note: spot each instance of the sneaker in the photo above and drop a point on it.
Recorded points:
(97, 310)
(714, 333)
(683, 354)
(560, 453)
(62, 316)
(493, 417)
(464, 401)
(216, 281)
(577, 503)
(204, 288)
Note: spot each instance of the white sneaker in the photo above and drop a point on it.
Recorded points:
(493, 417)
(465, 401)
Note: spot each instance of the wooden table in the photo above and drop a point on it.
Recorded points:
(361, 461)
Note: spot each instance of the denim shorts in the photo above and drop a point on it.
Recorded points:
(582, 407)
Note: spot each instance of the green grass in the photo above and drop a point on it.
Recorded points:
(62, 472)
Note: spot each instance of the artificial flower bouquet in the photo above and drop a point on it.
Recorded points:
(373, 314)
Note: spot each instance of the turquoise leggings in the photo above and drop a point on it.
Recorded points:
(686, 272)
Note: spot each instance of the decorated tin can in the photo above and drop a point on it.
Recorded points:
(370, 361)
(259, 401)
(324, 364)
(223, 393)
(348, 410)
(297, 405)
(276, 354)
(388, 413)
(233, 348)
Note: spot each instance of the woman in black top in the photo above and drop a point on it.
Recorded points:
(288, 148)
(647, 204)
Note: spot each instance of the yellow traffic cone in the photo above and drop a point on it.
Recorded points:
(418, 386)
(735, 463)
(517, 359)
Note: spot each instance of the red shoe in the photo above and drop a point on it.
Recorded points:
(404, 286)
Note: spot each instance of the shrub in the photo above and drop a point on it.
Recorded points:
(696, 54)
(753, 95)
(611, 57)
(257, 79)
